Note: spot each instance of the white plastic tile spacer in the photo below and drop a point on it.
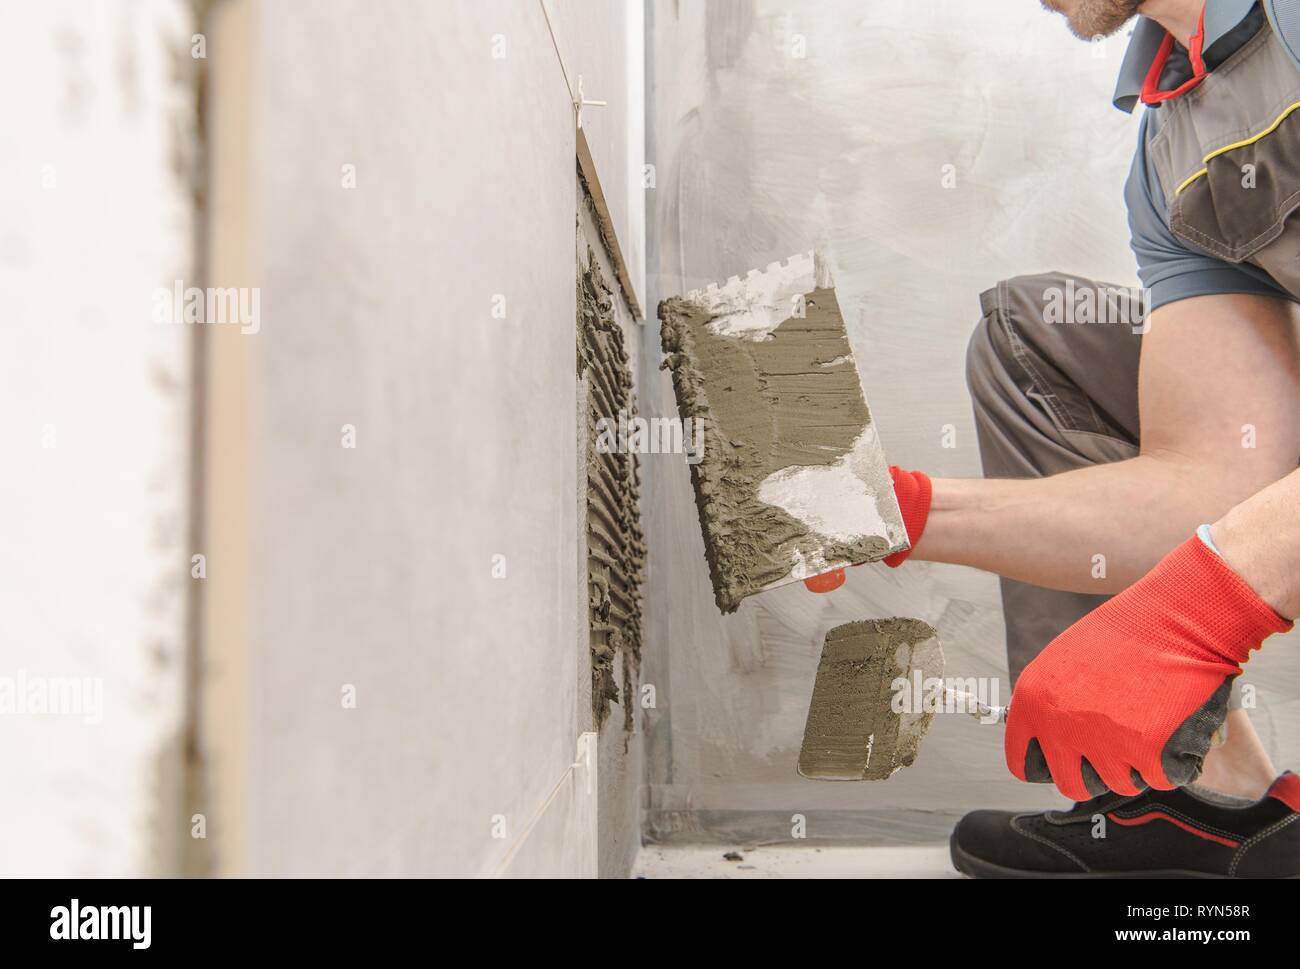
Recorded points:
(581, 101)
(586, 750)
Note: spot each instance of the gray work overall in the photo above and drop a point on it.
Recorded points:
(1052, 395)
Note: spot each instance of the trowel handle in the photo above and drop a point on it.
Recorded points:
(959, 699)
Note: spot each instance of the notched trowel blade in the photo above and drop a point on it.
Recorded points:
(791, 482)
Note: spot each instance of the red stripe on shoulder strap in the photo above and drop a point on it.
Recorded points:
(1151, 93)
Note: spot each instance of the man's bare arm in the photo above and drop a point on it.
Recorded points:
(1213, 368)
(1260, 539)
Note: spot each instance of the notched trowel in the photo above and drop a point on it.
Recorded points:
(792, 482)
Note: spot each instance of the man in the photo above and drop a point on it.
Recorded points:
(1109, 446)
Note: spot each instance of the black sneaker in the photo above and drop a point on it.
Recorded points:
(1182, 833)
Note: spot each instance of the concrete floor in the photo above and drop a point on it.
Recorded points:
(710, 861)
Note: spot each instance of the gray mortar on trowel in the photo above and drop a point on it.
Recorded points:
(853, 704)
(790, 400)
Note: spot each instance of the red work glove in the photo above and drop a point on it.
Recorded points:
(1141, 683)
(912, 488)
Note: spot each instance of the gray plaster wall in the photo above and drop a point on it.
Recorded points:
(776, 127)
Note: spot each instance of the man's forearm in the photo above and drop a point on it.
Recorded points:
(1260, 539)
(1213, 368)
(1094, 530)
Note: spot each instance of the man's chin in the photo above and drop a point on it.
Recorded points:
(1090, 19)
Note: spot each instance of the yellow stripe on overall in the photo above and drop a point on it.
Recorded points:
(1239, 144)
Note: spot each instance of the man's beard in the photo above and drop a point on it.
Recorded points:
(1095, 18)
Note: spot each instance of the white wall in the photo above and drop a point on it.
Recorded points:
(374, 567)
(328, 568)
(94, 563)
(603, 43)
(761, 154)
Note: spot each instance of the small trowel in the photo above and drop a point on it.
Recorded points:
(871, 707)
(857, 727)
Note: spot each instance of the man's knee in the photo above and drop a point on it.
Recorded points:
(1014, 319)
(1049, 394)
(986, 355)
